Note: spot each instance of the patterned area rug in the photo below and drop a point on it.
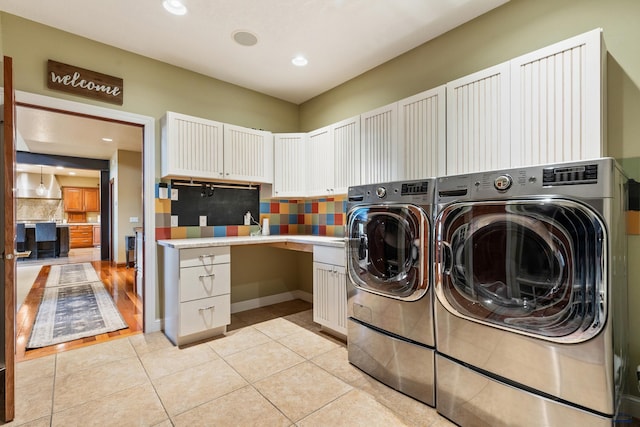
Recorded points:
(66, 274)
(69, 312)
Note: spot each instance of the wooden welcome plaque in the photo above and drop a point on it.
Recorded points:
(87, 83)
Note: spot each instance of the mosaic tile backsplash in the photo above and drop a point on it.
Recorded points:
(320, 217)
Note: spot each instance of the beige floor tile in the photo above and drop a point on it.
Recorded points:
(137, 406)
(32, 370)
(41, 422)
(239, 340)
(261, 361)
(192, 387)
(277, 328)
(94, 383)
(301, 390)
(34, 400)
(243, 407)
(92, 356)
(173, 359)
(302, 318)
(354, 409)
(413, 412)
(256, 315)
(337, 363)
(308, 344)
(166, 423)
(145, 343)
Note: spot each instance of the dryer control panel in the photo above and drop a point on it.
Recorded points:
(582, 174)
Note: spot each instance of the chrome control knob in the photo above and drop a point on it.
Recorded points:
(381, 192)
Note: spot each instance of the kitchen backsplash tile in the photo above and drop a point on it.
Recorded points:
(320, 217)
(39, 210)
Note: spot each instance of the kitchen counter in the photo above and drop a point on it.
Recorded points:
(282, 239)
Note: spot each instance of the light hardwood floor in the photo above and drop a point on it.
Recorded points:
(119, 282)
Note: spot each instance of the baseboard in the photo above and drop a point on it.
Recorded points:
(630, 405)
(237, 307)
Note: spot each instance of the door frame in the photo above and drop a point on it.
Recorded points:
(152, 323)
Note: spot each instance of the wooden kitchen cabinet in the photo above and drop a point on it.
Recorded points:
(96, 235)
(80, 236)
(81, 199)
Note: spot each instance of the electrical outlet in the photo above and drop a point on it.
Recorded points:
(203, 220)
(174, 194)
(133, 219)
(163, 193)
(174, 220)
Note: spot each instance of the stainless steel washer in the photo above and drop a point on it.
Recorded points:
(390, 326)
(531, 295)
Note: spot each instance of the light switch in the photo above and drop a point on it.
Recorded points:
(203, 220)
(174, 220)
(174, 194)
(133, 219)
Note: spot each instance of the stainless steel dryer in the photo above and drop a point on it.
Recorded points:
(531, 295)
(390, 326)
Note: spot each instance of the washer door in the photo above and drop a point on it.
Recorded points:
(533, 267)
(388, 250)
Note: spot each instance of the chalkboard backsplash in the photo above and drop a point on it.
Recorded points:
(221, 204)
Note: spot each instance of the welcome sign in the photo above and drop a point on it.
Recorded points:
(87, 83)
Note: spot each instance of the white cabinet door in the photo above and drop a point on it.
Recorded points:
(478, 121)
(330, 296)
(379, 144)
(289, 165)
(320, 162)
(422, 133)
(557, 99)
(248, 154)
(191, 147)
(346, 154)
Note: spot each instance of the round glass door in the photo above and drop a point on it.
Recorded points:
(530, 267)
(388, 250)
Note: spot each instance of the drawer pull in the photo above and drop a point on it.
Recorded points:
(211, 307)
(202, 257)
(207, 275)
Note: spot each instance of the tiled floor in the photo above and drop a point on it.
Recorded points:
(273, 369)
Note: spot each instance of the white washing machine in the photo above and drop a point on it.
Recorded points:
(390, 326)
(531, 286)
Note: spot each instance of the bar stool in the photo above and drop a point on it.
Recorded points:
(45, 238)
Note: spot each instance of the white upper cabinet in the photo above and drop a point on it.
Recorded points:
(320, 162)
(421, 134)
(557, 102)
(347, 155)
(478, 121)
(191, 147)
(290, 165)
(248, 154)
(542, 107)
(379, 144)
(205, 149)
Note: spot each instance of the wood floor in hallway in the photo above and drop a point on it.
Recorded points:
(119, 282)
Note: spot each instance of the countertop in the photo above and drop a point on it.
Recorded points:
(203, 242)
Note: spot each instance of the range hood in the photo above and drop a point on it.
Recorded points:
(27, 184)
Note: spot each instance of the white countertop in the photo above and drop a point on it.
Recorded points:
(252, 240)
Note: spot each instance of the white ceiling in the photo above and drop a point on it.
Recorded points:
(340, 38)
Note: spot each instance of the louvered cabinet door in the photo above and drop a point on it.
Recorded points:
(248, 154)
(422, 132)
(191, 147)
(478, 121)
(379, 144)
(289, 165)
(346, 154)
(330, 296)
(320, 162)
(557, 111)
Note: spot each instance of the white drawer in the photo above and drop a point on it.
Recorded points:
(207, 313)
(204, 281)
(329, 255)
(204, 256)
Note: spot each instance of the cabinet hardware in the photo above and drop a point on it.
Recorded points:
(207, 275)
(202, 257)
(211, 307)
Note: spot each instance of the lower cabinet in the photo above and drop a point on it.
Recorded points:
(81, 236)
(197, 285)
(330, 288)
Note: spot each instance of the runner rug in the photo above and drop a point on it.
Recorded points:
(65, 274)
(70, 312)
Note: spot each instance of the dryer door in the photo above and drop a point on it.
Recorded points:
(533, 267)
(388, 251)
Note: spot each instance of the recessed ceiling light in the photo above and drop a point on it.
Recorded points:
(299, 61)
(107, 139)
(175, 7)
(244, 38)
